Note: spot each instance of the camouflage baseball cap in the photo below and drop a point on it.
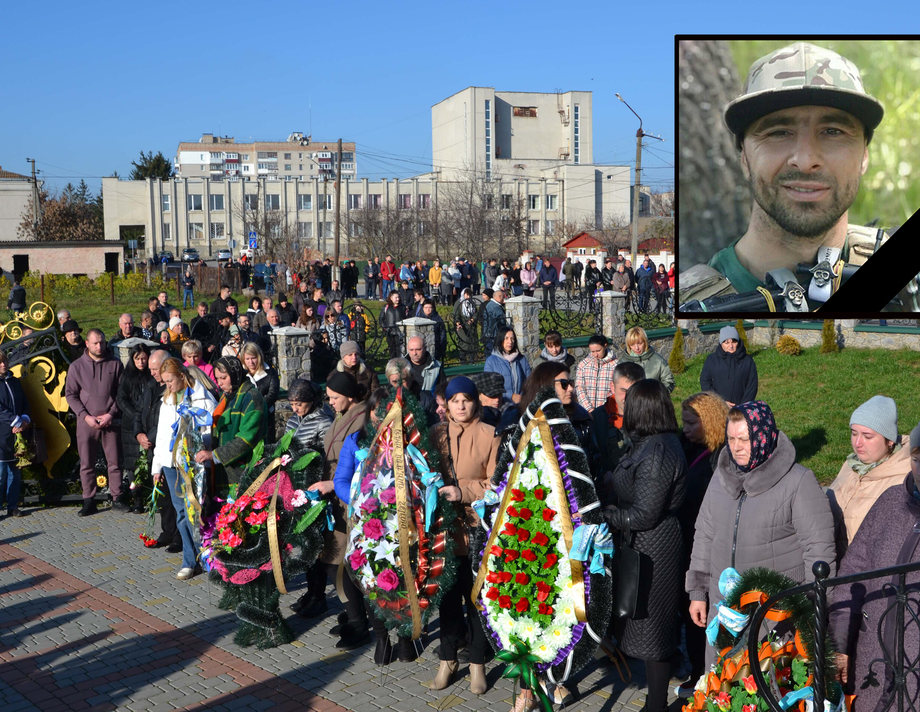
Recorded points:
(802, 74)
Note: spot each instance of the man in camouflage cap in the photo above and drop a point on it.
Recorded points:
(803, 124)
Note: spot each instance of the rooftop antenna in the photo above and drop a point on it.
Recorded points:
(310, 106)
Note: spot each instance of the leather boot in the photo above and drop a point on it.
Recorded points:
(478, 684)
(446, 671)
(89, 507)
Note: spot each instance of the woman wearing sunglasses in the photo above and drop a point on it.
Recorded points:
(730, 370)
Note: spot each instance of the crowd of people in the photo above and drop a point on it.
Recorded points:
(721, 489)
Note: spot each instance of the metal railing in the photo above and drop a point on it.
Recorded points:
(894, 663)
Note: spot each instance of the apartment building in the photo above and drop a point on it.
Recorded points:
(510, 134)
(299, 158)
(210, 214)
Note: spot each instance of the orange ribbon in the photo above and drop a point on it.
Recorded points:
(759, 597)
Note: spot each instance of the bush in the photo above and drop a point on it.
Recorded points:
(829, 338)
(676, 360)
(788, 346)
(742, 334)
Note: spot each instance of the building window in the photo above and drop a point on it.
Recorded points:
(201, 167)
(488, 139)
(424, 201)
(354, 202)
(245, 156)
(422, 228)
(376, 201)
(251, 202)
(325, 202)
(348, 156)
(305, 202)
(304, 229)
(194, 201)
(533, 227)
(326, 230)
(272, 202)
(167, 231)
(354, 229)
(506, 201)
(551, 202)
(287, 166)
(550, 227)
(533, 202)
(195, 231)
(287, 156)
(217, 202)
(527, 112)
(300, 166)
(267, 154)
(217, 231)
(577, 134)
(404, 201)
(166, 203)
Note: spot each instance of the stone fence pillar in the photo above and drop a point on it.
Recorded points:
(292, 354)
(524, 313)
(418, 326)
(613, 312)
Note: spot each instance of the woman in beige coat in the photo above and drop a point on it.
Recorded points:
(880, 459)
(468, 449)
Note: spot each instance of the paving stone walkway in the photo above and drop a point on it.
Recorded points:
(91, 620)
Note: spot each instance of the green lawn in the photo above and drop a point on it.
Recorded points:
(813, 396)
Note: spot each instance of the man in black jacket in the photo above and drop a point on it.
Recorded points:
(146, 419)
(17, 300)
(286, 310)
(220, 304)
(371, 278)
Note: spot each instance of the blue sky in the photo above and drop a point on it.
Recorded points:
(87, 86)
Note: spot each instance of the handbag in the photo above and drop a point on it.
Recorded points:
(627, 563)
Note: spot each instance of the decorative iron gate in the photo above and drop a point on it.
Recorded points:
(573, 313)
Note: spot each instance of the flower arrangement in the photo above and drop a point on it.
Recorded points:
(271, 532)
(399, 552)
(543, 587)
(730, 685)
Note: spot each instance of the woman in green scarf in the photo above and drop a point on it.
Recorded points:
(239, 425)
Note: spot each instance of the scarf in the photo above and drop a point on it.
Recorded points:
(546, 356)
(864, 468)
(233, 368)
(762, 431)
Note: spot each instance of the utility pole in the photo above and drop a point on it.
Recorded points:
(338, 210)
(36, 203)
(640, 134)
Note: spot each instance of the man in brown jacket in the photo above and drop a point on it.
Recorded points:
(92, 384)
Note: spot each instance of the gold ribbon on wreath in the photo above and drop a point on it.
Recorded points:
(274, 547)
(565, 517)
(403, 512)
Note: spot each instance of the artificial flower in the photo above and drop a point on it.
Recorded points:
(749, 685)
(357, 559)
(388, 580)
(529, 555)
(521, 578)
(388, 496)
(526, 514)
(496, 550)
(543, 591)
(551, 560)
(383, 481)
(523, 535)
(367, 484)
(373, 529)
(540, 539)
(510, 555)
(528, 478)
(560, 635)
(504, 601)
(493, 577)
(492, 594)
(517, 495)
(548, 514)
(386, 551)
(749, 708)
(724, 701)
(257, 518)
(369, 505)
(522, 605)
(512, 511)
(299, 499)
(545, 610)
(510, 529)
(539, 493)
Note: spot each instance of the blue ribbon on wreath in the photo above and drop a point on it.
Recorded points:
(733, 621)
(314, 496)
(592, 541)
(198, 417)
(489, 499)
(431, 481)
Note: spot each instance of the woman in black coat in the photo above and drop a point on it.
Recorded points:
(730, 371)
(642, 496)
(133, 382)
(390, 317)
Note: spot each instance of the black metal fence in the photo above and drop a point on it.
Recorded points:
(895, 670)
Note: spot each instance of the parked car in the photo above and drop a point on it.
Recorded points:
(167, 254)
(224, 255)
(190, 254)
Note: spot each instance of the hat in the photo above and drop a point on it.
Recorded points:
(282, 297)
(223, 315)
(461, 384)
(490, 384)
(70, 325)
(162, 326)
(234, 330)
(728, 332)
(880, 413)
(349, 347)
(488, 292)
(343, 384)
(802, 74)
(915, 437)
(174, 322)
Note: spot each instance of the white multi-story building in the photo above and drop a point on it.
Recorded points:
(298, 158)
(15, 200)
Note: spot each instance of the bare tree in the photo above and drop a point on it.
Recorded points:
(662, 204)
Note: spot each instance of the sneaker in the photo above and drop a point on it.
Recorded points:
(187, 573)
(15, 513)
(685, 689)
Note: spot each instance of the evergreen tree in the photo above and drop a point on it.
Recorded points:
(151, 166)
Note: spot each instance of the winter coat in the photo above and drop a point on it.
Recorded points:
(269, 384)
(147, 414)
(549, 274)
(468, 454)
(14, 410)
(92, 386)
(529, 279)
(655, 366)
(17, 300)
(887, 537)
(363, 374)
(429, 373)
(434, 276)
(336, 333)
(583, 425)
(239, 428)
(564, 357)
(388, 270)
(775, 516)
(620, 282)
(310, 430)
(592, 277)
(344, 425)
(128, 398)
(493, 316)
(644, 278)
(852, 496)
(732, 376)
(568, 269)
(514, 372)
(592, 380)
(649, 486)
(608, 432)
(162, 455)
(490, 273)
(288, 314)
(700, 465)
